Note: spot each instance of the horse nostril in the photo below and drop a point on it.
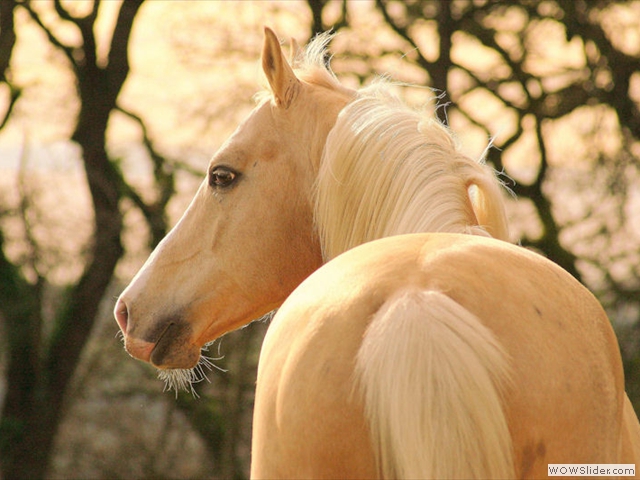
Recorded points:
(121, 312)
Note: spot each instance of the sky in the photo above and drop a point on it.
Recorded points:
(195, 66)
(197, 62)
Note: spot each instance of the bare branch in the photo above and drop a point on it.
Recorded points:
(158, 159)
(7, 42)
(23, 209)
(7, 36)
(625, 65)
(404, 33)
(62, 12)
(67, 50)
(14, 95)
(118, 66)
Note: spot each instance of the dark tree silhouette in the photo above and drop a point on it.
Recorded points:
(40, 367)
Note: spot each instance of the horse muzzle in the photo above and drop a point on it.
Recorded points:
(165, 342)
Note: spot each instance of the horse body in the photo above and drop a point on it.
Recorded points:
(563, 397)
(416, 355)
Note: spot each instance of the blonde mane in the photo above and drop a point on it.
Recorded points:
(389, 170)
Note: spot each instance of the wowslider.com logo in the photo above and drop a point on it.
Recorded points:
(591, 469)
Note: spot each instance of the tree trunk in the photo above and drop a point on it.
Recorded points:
(39, 371)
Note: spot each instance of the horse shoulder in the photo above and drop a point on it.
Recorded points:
(308, 422)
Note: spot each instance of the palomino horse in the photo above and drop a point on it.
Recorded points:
(408, 354)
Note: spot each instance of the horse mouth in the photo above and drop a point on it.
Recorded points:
(174, 348)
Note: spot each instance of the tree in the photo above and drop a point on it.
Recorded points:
(513, 51)
(42, 355)
(40, 366)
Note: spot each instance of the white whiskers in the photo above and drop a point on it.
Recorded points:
(183, 379)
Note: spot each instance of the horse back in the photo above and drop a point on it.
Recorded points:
(564, 398)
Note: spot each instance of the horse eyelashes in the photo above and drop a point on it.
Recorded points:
(222, 177)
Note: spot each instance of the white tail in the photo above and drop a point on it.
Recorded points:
(486, 201)
(431, 376)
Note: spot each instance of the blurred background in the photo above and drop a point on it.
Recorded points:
(109, 112)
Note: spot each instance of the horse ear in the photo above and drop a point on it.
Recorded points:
(294, 51)
(284, 83)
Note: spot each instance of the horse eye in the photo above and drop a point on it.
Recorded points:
(221, 177)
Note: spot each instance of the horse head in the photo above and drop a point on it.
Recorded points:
(247, 238)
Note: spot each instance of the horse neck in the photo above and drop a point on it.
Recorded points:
(387, 171)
